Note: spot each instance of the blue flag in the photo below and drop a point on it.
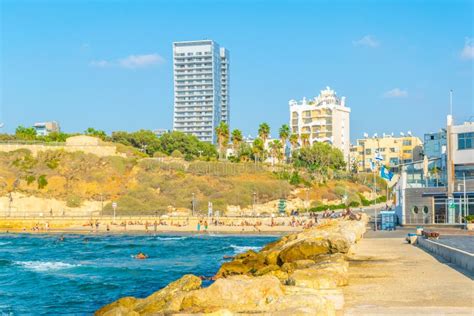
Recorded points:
(385, 173)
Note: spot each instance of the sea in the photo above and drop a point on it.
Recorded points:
(44, 274)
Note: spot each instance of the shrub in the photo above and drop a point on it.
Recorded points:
(73, 200)
(469, 218)
(176, 154)
(42, 182)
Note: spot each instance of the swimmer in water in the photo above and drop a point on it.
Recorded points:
(141, 255)
(61, 238)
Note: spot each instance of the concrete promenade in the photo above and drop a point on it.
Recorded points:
(390, 277)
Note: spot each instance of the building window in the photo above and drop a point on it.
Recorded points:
(407, 142)
(465, 141)
(368, 151)
(425, 209)
(415, 209)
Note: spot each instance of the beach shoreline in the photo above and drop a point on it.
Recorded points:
(151, 225)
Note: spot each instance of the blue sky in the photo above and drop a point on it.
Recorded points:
(108, 64)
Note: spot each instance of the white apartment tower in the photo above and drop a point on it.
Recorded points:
(201, 88)
(324, 119)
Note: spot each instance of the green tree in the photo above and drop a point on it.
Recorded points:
(95, 133)
(237, 139)
(258, 149)
(305, 140)
(284, 133)
(222, 131)
(264, 132)
(294, 141)
(319, 160)
(25, 133)
(276, 150)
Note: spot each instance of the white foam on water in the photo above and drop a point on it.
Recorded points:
(2, 243)
(41, 266)
(240, 249)
(171, 238)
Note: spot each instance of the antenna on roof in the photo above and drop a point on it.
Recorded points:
(451, 102)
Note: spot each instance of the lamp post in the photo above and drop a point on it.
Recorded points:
(464, 205)
(253, 203)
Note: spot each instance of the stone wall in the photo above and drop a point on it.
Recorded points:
(98, 150)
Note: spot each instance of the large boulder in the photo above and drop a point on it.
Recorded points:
(167, 299)
(245, 263)
(123, 306)
(236, 293)
(304, 249)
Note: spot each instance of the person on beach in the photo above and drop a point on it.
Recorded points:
(155, 226)
(205, 225)
(199, 226)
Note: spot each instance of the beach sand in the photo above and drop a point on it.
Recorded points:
(140, 225)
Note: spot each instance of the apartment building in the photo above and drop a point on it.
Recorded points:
(44, 128)
(324, 118)
(393, 151)
(201, 88)
(434, 144)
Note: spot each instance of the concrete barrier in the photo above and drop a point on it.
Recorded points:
(458, 257)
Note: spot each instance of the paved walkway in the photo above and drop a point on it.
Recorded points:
(390, 277)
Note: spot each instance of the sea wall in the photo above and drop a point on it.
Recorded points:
(300, 274)
(21, 205)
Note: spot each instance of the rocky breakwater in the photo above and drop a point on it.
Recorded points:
(300, 274)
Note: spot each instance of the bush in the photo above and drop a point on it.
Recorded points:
(176, 154)
(42, 182)
(73, 200)
(469, 218)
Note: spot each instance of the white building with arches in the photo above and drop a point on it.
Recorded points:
(324, 118)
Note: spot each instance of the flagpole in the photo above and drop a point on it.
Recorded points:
(375, 198)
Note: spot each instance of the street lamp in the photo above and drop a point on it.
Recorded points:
(465, 211)
(254, 201)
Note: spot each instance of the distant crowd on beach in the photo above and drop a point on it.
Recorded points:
(203, 224)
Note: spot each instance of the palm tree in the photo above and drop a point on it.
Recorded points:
(293, 141)
(258, 149)
(305, 139)
(264, 132)
(236, 139)
(222, 131)
(275, 150)
(284, 133)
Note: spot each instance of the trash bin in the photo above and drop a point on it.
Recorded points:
(412, 238)
(419, 230)
(387, 220)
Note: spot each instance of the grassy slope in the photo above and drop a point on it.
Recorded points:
(147, 185)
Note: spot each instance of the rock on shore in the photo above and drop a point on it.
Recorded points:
(296, 275)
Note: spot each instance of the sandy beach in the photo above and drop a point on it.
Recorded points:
(141, 225)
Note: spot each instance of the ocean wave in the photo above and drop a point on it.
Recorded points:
(240, 249)
(4, 243)
(171, 238)
(41, 266)
(4, 262)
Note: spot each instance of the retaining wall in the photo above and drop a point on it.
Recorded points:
(458, 257)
